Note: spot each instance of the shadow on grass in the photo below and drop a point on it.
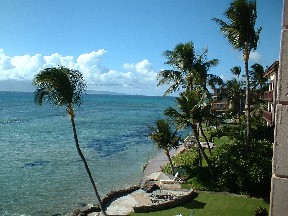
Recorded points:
(193, 203)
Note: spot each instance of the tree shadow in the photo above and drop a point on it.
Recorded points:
(193, 203)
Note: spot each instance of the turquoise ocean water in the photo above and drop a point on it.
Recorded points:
(40, 171)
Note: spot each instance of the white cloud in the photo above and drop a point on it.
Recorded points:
(255, 57)
(136, 78)
(5, 61)
(143, 69)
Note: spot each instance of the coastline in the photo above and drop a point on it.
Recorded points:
(160, 160)
(155, 164)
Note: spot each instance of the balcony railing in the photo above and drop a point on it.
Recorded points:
(268, 96)
(268, 117)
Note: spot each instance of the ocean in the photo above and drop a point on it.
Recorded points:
(41, 172)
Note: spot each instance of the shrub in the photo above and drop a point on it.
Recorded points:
(188, 159)
(184, 163)
(261, 211)
(240, 172)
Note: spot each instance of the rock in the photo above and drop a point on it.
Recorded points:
(150, 186)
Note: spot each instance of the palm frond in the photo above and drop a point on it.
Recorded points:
(240, 28)
(163, 136)
(60, 85)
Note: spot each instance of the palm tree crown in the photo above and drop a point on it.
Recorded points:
(239, 29)
(189, 69)
(166, 139)
(61, 86)
(163, 136)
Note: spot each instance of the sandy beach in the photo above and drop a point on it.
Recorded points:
(155, 164)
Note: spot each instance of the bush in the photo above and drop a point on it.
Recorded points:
(240, 172)
(259, 129)
(188, 159)
(184, 163)
(261, 211)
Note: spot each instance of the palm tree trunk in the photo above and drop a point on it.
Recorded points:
(86, 166)
(239, 112)
(195, 132)
(206, 140)
(194, 127)
(170, 161)
(247, 101)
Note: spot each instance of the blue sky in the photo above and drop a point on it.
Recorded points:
(118, 44)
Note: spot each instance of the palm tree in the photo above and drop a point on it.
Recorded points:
(257, 78)
(205, 115)
(190, 104)
(234, 93)
(190, 69)
(165, 138)
(64, 87)
(236, 71)
(241, 35)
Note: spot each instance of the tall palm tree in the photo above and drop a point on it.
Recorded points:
(64, 87)
(189, 69)
(188, 115)
(241, 35)
(165, 138)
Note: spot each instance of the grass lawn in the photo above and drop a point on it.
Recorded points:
(206, 203)
(222, 140)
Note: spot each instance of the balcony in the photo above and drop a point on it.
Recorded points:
(268, 96)
(268, 117)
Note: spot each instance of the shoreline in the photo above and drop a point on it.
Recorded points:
(155, 164)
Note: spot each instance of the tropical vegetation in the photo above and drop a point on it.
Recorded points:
(241, 162)
(166, 139)
(242, 36)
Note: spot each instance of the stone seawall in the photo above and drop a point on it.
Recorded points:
(116, 194)
(165, 205)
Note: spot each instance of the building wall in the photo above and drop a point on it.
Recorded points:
(279, 181)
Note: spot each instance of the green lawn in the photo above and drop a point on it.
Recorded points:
(222, 140)
(206, 203)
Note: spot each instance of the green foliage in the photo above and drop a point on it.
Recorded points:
(240, 28)
(184, 163)
(241, 172)
(187, 159)
(259, 129)
(190, 69)
(163, 136)
(260, 211)
(200, 179)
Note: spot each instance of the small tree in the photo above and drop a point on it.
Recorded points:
(166, 139)
(64, 87)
